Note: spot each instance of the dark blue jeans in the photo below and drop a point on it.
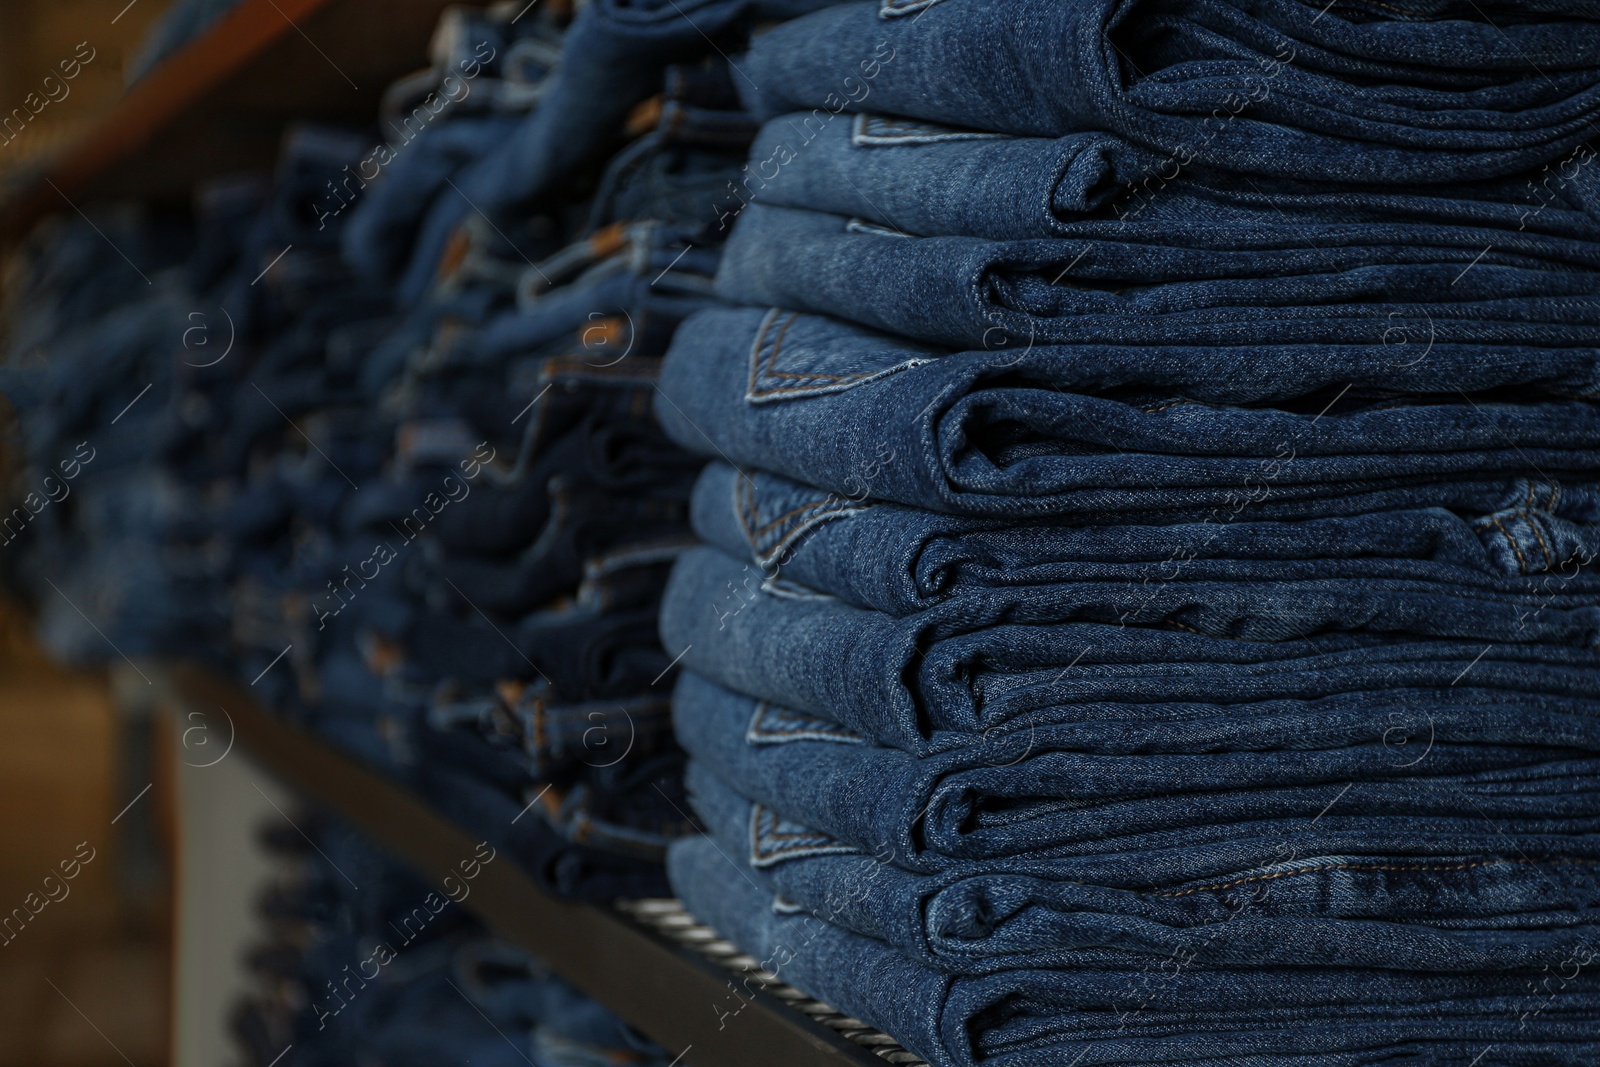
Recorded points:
(901, 560)
(1424, 92)
(613, 57)
(936, 679)
(965, 291)
(1399, 911)
(1267, 601)
(1075, 434)
(930, 180)
(1111, 1007)
(1453, 779)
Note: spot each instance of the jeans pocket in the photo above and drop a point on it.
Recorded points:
(796, 356)
(774, 840)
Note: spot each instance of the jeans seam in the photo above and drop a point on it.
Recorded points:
(1167, 407)
(786, 516)
(749, 517)
(759, 853)
(1533, 524)
(764, 365)
(1522, 561)
(758, 734)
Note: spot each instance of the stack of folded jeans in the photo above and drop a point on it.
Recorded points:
(396, 469)
(1148, 613)
(402, 479)
(528, 639)
(399, 974)
(86, 376)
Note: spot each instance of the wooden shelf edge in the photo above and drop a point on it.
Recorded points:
(179, 85)
(181, 82)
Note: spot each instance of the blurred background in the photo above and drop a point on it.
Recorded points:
(69, 758)
(105, 940)
(35, 35)
(87, 764)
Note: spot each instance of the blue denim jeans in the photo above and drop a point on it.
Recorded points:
(1111, 1007)
(901, 560)
(935, 679)
(965, 291)
(588, 431)
(1400, 911)
(542, 736)
(551, 846)
(677, 173)
(1260, 602)
(382, 229)
(1001, 433)
(613, 57)
(585, 529)
(1422, 93)
(649, 270)
(589, 652)
(930, 180)
(1454, 780)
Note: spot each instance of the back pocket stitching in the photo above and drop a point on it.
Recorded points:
(762, 366)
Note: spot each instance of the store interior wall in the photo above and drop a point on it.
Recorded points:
(85, 977)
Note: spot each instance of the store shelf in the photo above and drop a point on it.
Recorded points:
(647, 961)
(221, 104)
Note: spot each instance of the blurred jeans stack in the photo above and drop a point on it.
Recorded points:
(399, 974)
(377, 438)
(1148, 614)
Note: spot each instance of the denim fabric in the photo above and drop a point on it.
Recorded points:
(564, 866)
(1115, 1009)
(76, 276)
(649, 271)
(930, 180)
(1436, 91)
(1173, 639)
(540, 736)
(399, 973)
(1075, 790)
(609, 812)
(1268, 602)
(964, 291)
(613, 57)
(619, 456)
(935, 679)
(1000, 434)
(382, 228)
(677, 172)
(515, 989)
(1397, 912)
(404, 458)
(668, 175)
(587, 654)
(583, 526)
(901, 560)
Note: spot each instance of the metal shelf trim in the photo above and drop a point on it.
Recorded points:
(623, 958)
